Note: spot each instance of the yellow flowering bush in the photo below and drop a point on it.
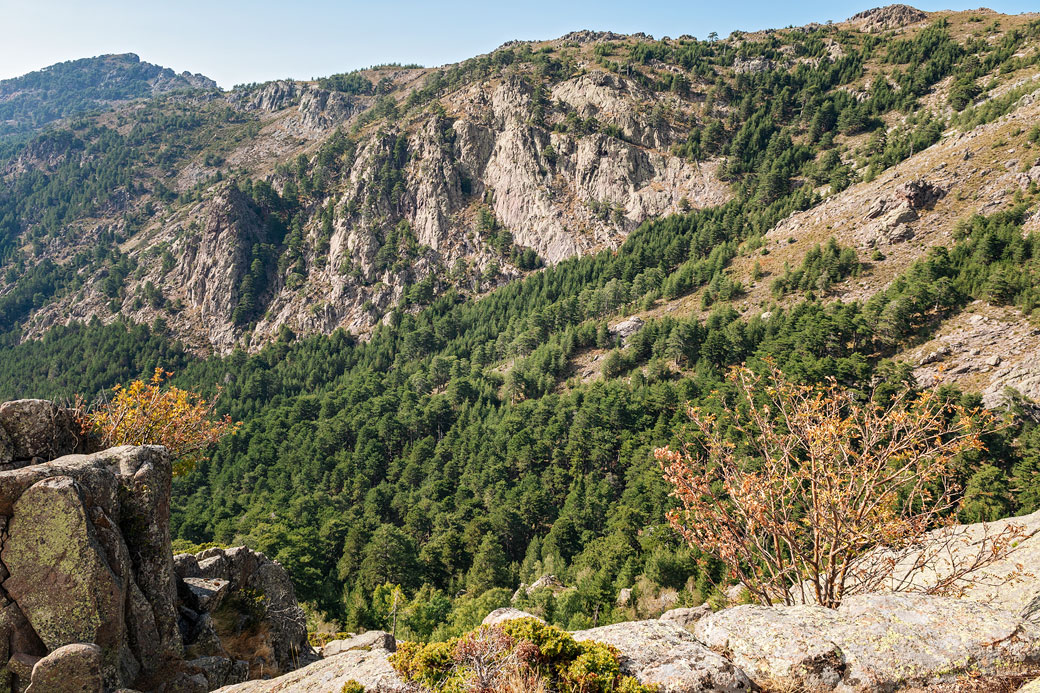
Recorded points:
(147, 413)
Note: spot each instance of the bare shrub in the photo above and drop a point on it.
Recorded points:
(809, 495)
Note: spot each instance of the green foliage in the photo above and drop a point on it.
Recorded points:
(352, 686)
(457, 451)
(76, 86)
(821, 268)
(529, 645)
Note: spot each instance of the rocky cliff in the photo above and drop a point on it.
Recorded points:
(90, 597)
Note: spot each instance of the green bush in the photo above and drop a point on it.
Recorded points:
(529, 644)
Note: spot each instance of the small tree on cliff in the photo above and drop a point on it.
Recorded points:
(147, 413)
(809, 495)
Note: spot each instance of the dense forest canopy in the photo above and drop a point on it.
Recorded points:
(458, 451)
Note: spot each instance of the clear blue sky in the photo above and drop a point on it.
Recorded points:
(235, 41)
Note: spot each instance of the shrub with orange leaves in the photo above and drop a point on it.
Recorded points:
(147, 413)
(809, 494)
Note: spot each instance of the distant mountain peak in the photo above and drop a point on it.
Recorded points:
(68, 88)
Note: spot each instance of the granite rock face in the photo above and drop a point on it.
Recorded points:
(36, 429)
(877, 642)
(238, 604)
(664, 654)
(89, 598)
(87, 556)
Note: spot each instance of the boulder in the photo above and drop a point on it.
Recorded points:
(1031, 687)
(1002, 584)
(373, 639)
(87, 556)
(38, 428)
(626, 328)
(686, 617)
(250, 605)
(624, 596)
(219, 671)
(873, 642)
(370, 668)
(778, 646)
(504, 614)
(60, 577)
(73, 668)
(186, 566)
(667, 655)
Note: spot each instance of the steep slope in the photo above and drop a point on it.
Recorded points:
(31, 101)
(450, 448)
(506, 171)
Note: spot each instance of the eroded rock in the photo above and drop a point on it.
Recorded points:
(663, 653)
(373, 639)
(873, 642)
(370, 668)
(686, 617)
(73, 668)
(506, 614)
(37, 428)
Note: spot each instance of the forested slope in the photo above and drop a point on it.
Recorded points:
(474, 433)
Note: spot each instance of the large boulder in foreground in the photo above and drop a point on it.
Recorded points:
(88, 560)
(877, 642)
(369, 667)
(1012, 583)
(69, 669)
(665, 654)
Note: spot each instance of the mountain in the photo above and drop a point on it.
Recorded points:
(457, 308)
(29, 102)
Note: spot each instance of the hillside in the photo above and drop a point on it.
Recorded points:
(29, 102)
(417, 288)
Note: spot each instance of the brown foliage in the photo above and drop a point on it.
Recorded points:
(825, 495)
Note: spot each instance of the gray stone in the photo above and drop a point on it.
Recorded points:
(73, 668)
(6, 448)
(373, 639)
(60, 578)
(665, 654)
(686, 617)
(370, 668)
(504, 614)
(779, 647)
(279, 641)
(207, 593)
(185, 565)
(38, 428)
(90, 513)
(220, 671)
(873, 642)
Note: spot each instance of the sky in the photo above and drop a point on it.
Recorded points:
(235, 42)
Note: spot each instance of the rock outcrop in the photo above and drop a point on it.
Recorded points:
(874, 642)
(890, 217)
(238, 604)
(668, 656)
(686, 617)
(87, 558)
(37, 430)
(371, 668)
(88, 593)
(887, 18)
